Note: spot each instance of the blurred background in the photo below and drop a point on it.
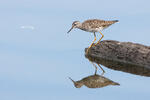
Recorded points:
(37, 55)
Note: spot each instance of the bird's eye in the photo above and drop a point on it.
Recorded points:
(75, 24)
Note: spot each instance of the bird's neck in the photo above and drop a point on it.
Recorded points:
(79, 26)
(80, 82)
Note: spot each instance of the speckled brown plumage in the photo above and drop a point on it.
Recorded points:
(93, 25)
(94, 81)
(96, 23)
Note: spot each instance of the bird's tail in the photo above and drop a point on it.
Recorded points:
(115, 20)
(114, 83)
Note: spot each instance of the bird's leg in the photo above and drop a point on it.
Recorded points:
(101, 69)
(92, 42)
(102, 74)
(100, 38)
(95, 67)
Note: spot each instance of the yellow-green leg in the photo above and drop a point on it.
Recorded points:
(92, 42)
(101, 69)
(95, 67)
(100, 38)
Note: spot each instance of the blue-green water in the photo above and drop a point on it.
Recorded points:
(35, 63)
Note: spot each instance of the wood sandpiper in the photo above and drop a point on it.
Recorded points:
(93, 25)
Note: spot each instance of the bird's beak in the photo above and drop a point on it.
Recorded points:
(70, 29)
(72, 80)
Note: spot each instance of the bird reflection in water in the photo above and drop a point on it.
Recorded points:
(94, 81)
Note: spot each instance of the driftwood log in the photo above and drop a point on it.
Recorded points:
(124, 56)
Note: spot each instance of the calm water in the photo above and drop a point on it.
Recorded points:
(37, 55)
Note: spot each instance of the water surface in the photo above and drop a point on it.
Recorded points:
(35, 63)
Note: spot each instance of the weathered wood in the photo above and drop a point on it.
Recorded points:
(125, 56)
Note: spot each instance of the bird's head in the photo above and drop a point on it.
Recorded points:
(75, 24)
(77, 84)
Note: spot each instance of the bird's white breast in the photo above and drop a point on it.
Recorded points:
(95, 29)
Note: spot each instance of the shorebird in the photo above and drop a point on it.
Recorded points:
(94, 81)
(93, 25)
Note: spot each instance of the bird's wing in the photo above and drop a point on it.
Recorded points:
(96, 23)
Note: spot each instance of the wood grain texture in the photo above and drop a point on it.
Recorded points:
(124, 56)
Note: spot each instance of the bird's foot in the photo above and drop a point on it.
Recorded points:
(87, 51)
(94, 44)
(98, 44)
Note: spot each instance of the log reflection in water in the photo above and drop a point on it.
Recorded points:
(122, 66)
